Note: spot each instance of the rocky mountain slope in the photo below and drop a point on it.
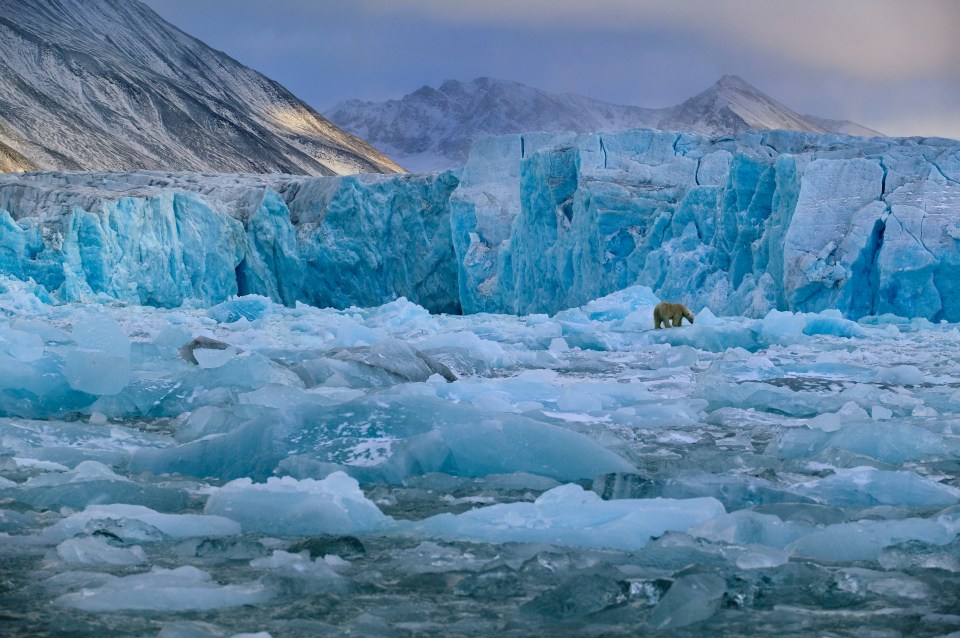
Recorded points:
(108, 84)
(435, 128)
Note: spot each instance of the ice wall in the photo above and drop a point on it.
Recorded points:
(171, 239)
(785, 220)
(534, 223)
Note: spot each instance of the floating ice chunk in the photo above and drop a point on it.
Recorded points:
(831, 322)
(102, 333)
(92, 482)
(576, 597)
(12, 522)
(390, 438)
(784, 328)
(93, 550)
(620, 304)
(351, 333)
(182, 589)
(691, 598)
(862, 582)
(833, 421)
(919, 555)
(101, 362)
(167, 525)
(197, 629)
(288, 507)
(867, 486)
(397, 358)
(402, 313)
(900, 375)
(492, 402)
(492, 443)
(579, 399)
(478, 353)
(766, 397)
(280, 396)
(744, 527)
(735, 491)
(863, 540)
(212, 358)
(674, 357)
(743, 366)
(757, 556)
(298, 573)
(225, 443)
(568, 515)
(84, 471)
(249, 307)
(25, 346)
(880, 413)
(46, 466)
(890, 442)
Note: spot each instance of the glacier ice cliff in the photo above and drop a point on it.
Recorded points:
(535, 223)
(169, 239)
(773, 220)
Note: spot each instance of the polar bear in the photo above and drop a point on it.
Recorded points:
(670, 313)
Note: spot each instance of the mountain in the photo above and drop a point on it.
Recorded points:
(435, 128)
(733, 106)
(843, 126)
(108, 84)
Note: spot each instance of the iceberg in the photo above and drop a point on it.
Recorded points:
(139, 523)
(98, 551)
(182, 589)
(289, 507)
(569, 515)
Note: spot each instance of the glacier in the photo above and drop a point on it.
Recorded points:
(437, 405)
(538, 223)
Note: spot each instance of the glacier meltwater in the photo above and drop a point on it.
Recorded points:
(436, 405)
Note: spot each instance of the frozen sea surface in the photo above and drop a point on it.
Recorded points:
(259, 469)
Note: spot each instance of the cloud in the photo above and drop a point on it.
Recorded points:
(871, 39)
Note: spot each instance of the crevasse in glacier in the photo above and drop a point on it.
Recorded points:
(535, 223)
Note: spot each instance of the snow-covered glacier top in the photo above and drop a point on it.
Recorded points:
(533, 223)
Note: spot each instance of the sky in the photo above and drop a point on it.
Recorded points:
(891, 65)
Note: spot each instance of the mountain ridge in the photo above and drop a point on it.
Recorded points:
(434, 128)
(108, 84)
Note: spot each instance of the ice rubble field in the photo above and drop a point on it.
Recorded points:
(386, 471)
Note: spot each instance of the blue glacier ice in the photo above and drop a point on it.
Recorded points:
(787, 221)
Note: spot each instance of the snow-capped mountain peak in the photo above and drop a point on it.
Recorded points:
(733, 106)
(434, 128)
